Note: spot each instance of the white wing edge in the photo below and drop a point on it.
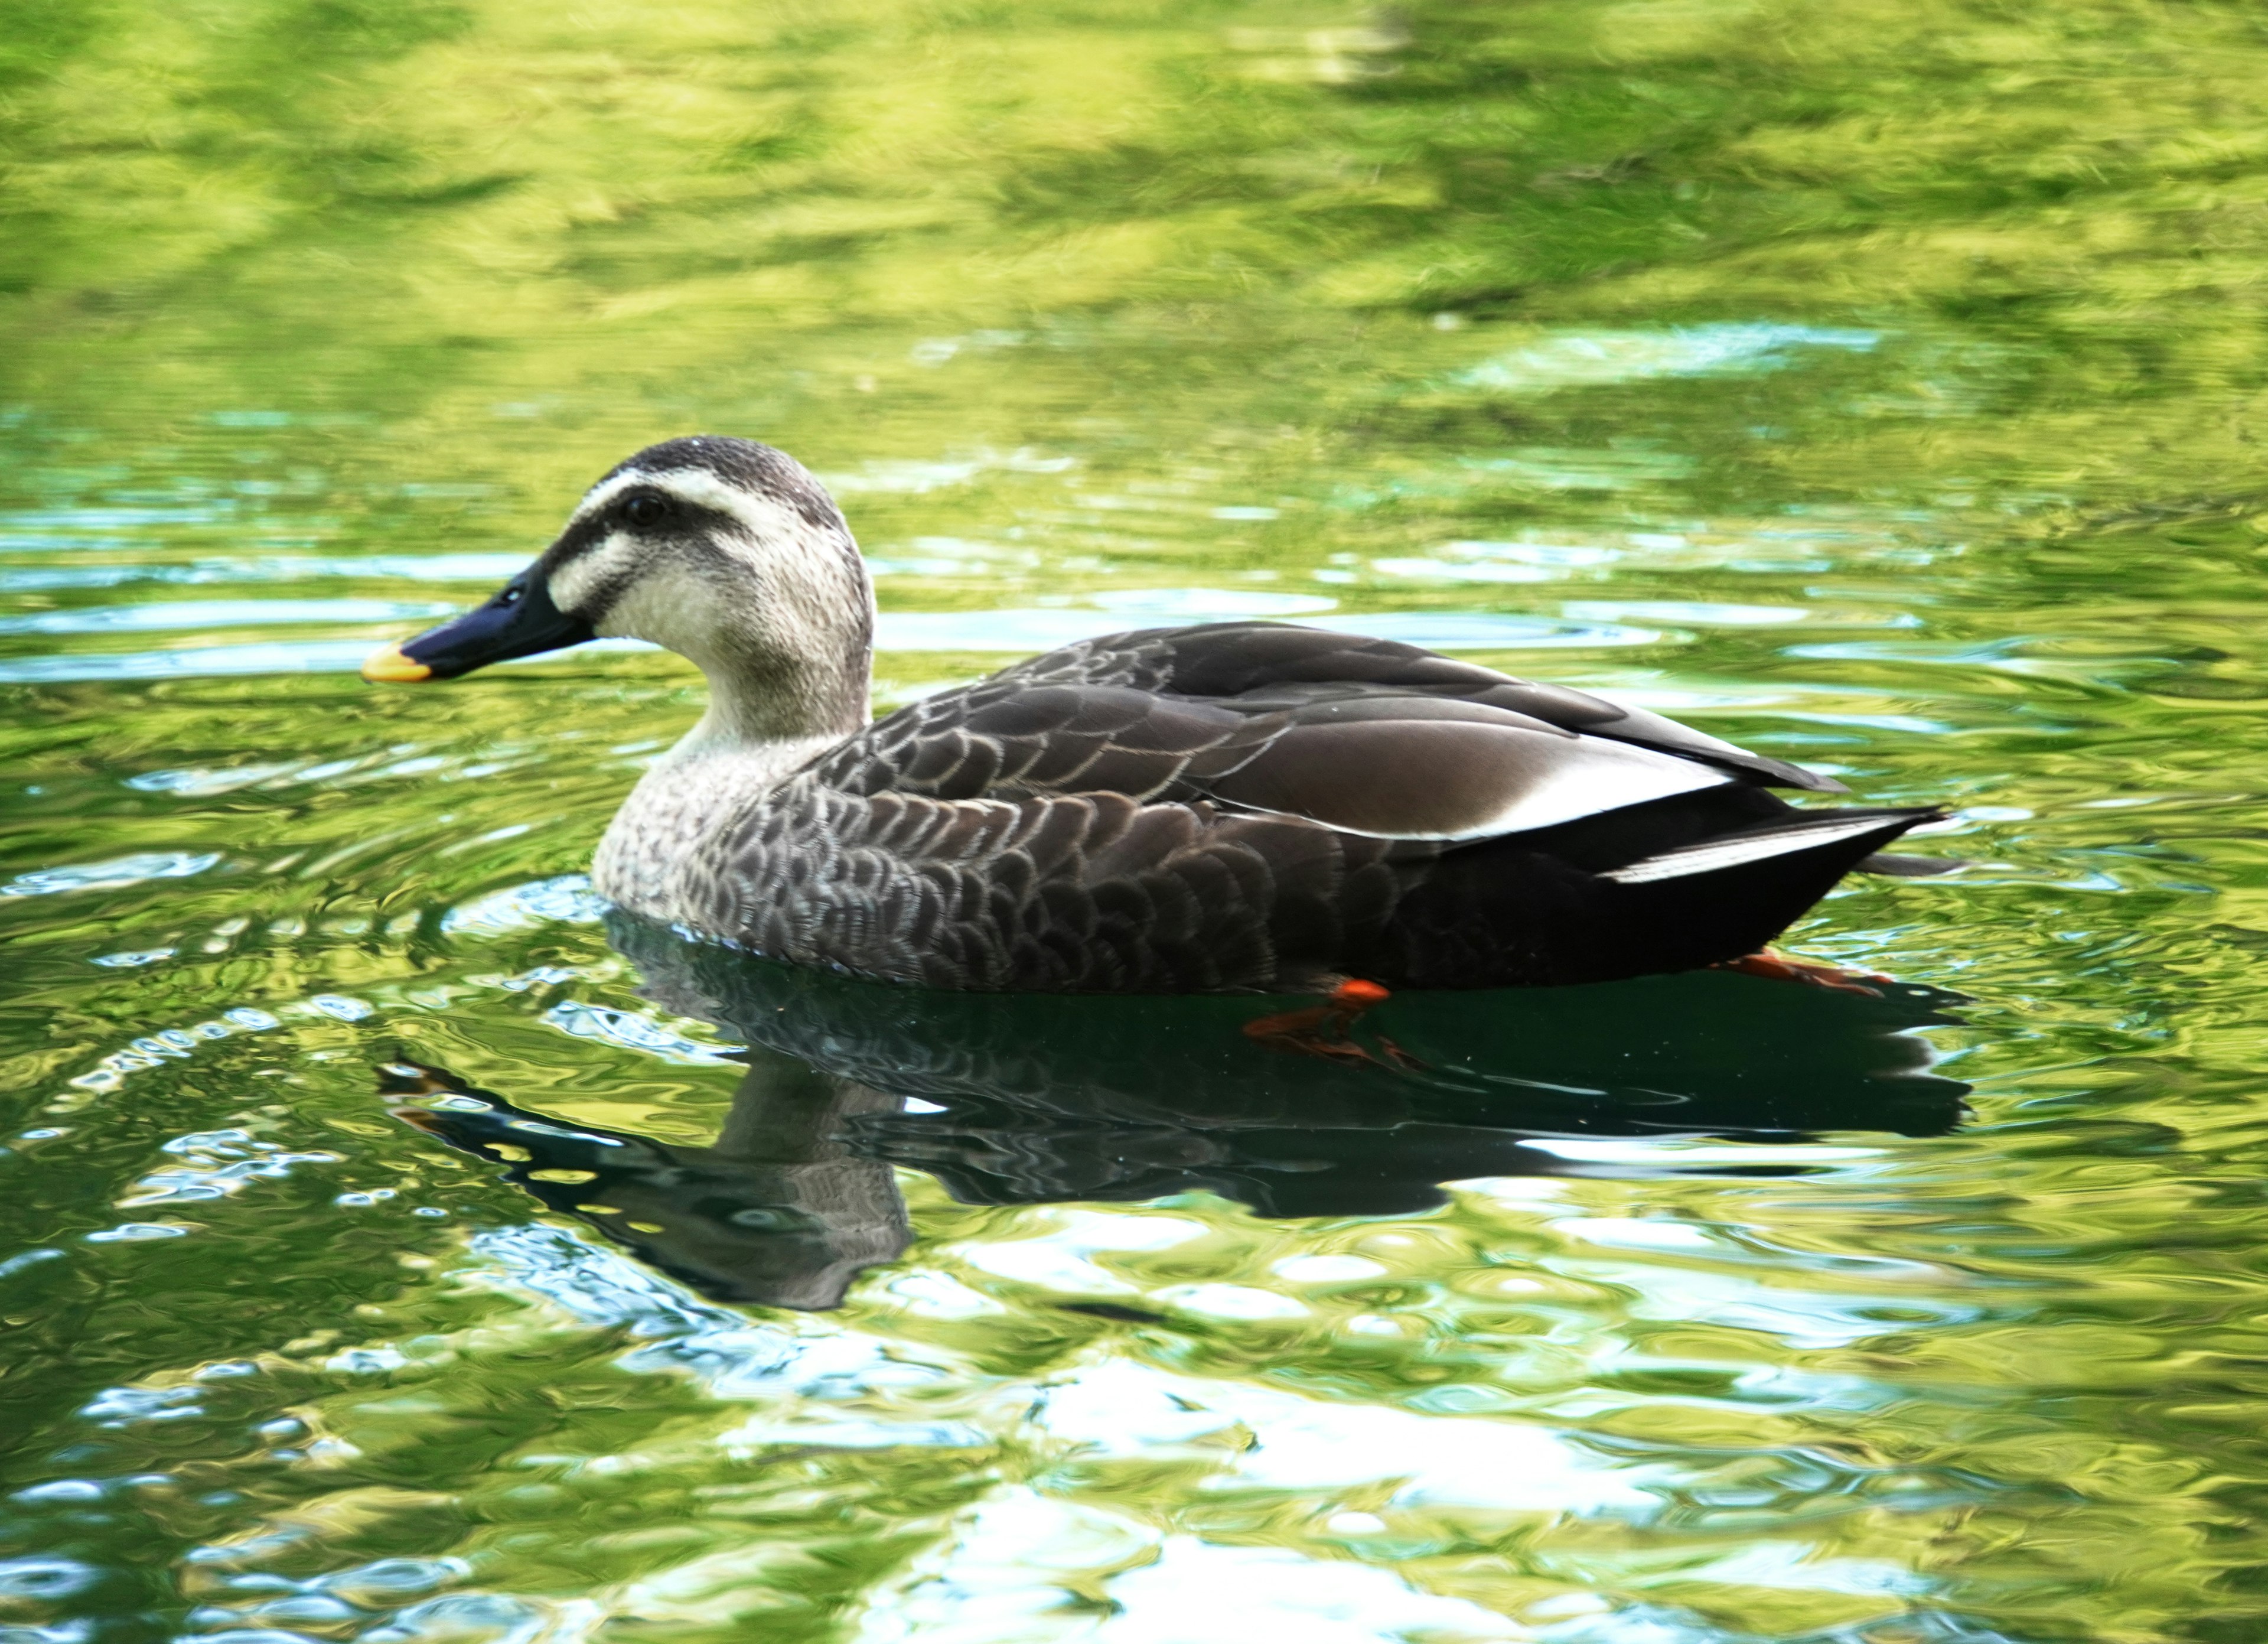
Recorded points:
(1723, 853)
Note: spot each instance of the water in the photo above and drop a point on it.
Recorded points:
(395, 1252)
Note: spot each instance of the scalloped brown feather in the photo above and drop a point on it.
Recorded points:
(1263, 806)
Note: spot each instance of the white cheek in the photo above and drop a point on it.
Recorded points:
(574, 584)
(668, 607)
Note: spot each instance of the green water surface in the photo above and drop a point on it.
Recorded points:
(391, 1249)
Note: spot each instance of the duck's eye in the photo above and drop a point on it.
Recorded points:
(510, 596)
(646, 510)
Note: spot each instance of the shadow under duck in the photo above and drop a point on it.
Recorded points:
(1235, 807)
(1042, 1100)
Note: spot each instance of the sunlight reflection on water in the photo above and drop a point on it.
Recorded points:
(397, 1251)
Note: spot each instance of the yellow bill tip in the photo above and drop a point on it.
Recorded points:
(390, 664)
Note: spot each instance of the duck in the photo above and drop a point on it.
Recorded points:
(1237, 806)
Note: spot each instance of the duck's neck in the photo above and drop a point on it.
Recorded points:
(756, 714)
(757, 732)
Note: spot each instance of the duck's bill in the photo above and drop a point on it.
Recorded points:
(520, 622)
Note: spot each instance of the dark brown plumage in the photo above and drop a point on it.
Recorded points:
(1251, 806)
(1243, 806)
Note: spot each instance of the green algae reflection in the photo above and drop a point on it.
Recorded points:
(1876, 384)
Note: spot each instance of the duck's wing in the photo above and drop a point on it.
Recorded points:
(1012, 738)
(1256, 805)
(1362, 736)
(1256, 665)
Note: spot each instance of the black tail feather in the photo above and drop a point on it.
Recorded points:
(1684, 921)
(1722, 894)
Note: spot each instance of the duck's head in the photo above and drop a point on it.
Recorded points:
(726, 551)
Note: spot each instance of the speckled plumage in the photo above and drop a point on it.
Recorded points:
(1073, 824)
(1241, 806)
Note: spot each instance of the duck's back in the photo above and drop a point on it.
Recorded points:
(1257, 806)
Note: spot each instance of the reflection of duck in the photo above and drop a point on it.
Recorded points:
(779, 1210)
(1245, 806)
(1018, 1100)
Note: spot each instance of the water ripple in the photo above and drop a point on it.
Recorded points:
(363, 567)
(113, 875)
(218, 614)
(1588, 358)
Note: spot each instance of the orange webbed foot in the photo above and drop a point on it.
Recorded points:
(1322, 1030)
(1780, 968)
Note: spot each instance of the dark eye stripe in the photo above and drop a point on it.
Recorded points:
(575, 540)
(586, 532)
